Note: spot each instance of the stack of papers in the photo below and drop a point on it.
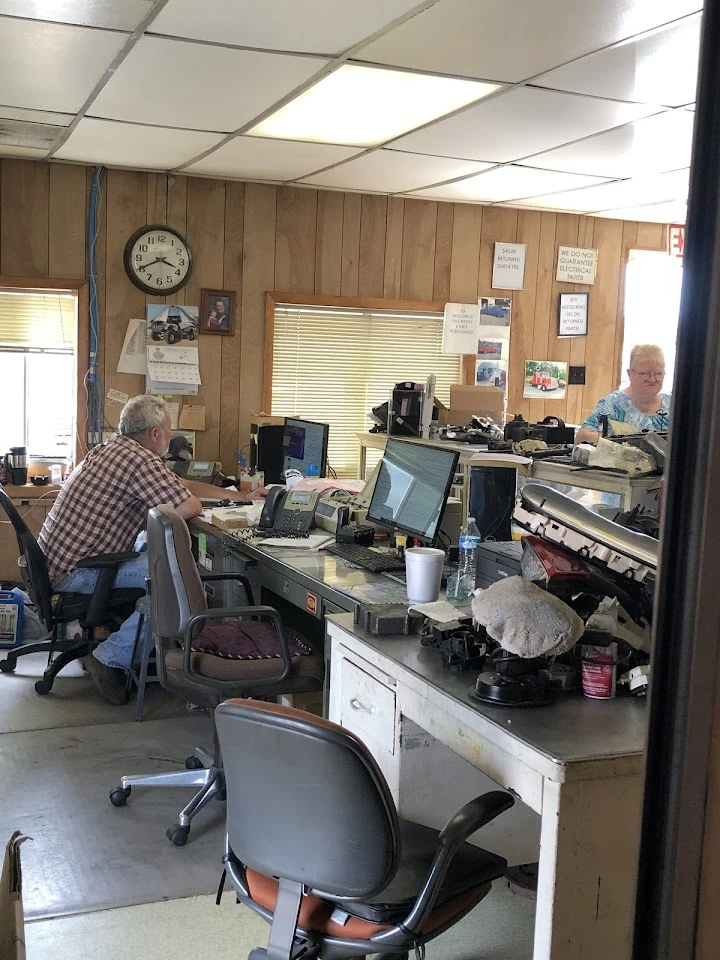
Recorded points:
(316, 541)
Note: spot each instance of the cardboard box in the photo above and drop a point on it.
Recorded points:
(230, 518)
(192, 417)
(12, 921)
(467, 401)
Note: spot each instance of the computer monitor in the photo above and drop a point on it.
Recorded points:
(412, 487)
(305, 447)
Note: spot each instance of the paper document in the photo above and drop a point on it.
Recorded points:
(165, 389)
(173, 372)
(316, 541)
(132, 356)
(508, 459)
(173, 409)
(441, 611)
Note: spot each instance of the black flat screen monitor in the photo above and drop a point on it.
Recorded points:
(305, 447)
(412, 488)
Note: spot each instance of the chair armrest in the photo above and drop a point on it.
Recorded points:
(474, 815)
(239, 613)
(107, 559)
(209, 577)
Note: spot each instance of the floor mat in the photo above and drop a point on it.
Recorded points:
(72, 702)
(87, 855)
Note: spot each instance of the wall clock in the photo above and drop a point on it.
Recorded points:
(158, 260)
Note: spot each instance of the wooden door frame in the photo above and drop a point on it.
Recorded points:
(274, 297)
(82, 343)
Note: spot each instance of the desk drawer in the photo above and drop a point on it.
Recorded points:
(367, 706)
(292, 591)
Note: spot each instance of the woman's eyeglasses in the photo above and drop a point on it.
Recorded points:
(650, 374)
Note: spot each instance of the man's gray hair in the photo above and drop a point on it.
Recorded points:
(142, 414)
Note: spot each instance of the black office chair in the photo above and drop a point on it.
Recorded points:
(105, 607)
(207, 655)
(315, 846)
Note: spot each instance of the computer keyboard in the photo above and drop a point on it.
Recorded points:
(365, 557)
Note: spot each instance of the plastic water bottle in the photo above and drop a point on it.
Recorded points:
(462, 584)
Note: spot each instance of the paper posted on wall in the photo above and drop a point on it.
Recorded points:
(133, 355)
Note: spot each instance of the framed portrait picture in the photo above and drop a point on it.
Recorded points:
(573, 314)
(217, 311)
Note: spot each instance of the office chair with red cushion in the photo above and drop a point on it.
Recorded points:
(315, 846)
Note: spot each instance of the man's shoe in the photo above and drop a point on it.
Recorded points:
(110, 682)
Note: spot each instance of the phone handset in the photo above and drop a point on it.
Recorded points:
(273, 503)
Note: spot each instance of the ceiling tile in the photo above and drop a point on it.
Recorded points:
(314, 26)
(260, 159)
(7, 150)
(389, 171)
(36, 116)
(516, 39)
(178, 84)
(517, 124)
(658, 143)
(132, 145)
(125, 15)
(36, 136)
(507, 183)
(672, 212)
(66, 63)
(618, 193)
(660, 68)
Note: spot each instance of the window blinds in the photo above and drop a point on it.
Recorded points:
(30, 320)
(334, 364)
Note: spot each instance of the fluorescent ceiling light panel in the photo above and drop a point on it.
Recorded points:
(365, 106)
(508, 183)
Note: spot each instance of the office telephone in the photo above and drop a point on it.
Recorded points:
(288, 513)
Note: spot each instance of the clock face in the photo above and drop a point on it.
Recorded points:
(158, 260)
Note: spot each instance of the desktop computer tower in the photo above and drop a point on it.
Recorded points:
(266, 450)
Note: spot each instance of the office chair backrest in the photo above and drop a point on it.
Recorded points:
(176, 590)
(306, 801)
(35, 571)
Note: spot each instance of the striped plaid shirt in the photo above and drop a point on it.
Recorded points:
(104, 503)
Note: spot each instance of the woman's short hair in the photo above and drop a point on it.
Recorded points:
(141, 414)
(646, 351)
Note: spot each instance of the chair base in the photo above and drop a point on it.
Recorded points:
(201, 772)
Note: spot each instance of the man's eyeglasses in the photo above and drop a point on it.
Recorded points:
(650, 374)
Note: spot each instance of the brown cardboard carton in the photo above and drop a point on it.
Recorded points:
(467, 401)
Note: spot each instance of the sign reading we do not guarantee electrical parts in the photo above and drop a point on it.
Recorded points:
(576, 265)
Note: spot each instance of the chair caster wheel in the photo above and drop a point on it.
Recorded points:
(119, 796)
(8, 666)
(43, 686)
(177, 835)
(194, 763)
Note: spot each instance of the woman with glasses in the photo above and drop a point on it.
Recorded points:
(642, 403)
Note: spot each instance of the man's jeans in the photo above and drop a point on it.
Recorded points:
(117, 650)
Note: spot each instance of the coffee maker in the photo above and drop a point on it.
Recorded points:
(16, 466)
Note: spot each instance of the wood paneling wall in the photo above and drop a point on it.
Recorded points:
(252, 237)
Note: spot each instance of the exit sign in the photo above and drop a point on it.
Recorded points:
(676, 240)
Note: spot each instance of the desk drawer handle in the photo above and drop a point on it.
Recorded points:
(359, 705)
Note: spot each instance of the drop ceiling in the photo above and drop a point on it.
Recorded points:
(584, 107)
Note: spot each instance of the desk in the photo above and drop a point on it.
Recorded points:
(33, 504)
(578, 764)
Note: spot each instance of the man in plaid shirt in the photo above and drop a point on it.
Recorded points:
(102, 507)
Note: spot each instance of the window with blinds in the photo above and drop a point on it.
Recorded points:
(334, 364)
(37, 321)
(38, 337)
